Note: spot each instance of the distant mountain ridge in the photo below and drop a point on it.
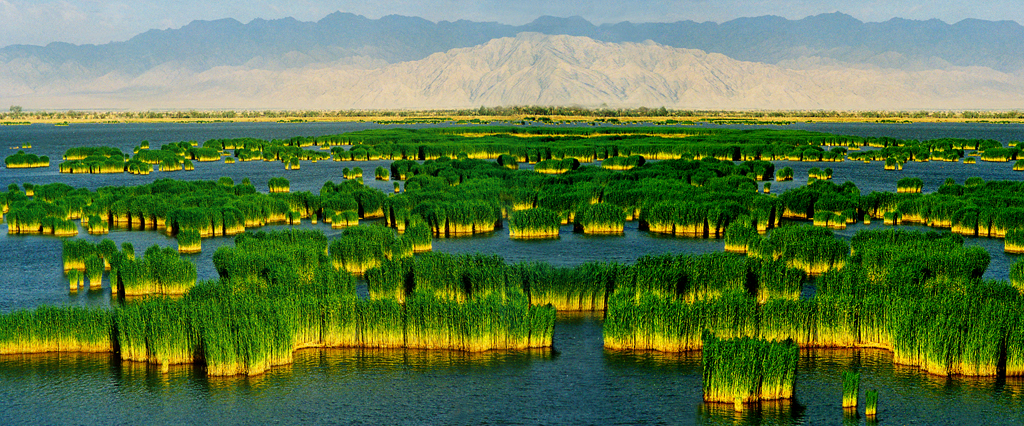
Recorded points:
(538, 69)
(202, 45)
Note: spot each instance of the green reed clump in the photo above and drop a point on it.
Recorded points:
(381, 324)
(22, 160)
(1017, 275)
(785, 174)
(740, 236)
(851, 387)
(74, 252)
(534, 223)
(909, 185)
(420, 236)
(871, 404)
(745, 370)
(159, 331)
(774, 279)
(623, 163)
(507, 161)
(644, 321)
(189, 241)
(94, 268)
(278, 185)
(600, 218)
(782, 319)
(76, 279)
(392, 279)
(159, 271)
(564, 165)
(380, 173)
(52, 329)
(460, 277)
(363, 247)
(811, 249)
(581, 288)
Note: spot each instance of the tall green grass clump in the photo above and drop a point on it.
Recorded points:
(534, 223)
(278, 185)
(361, 248)
(811, 249)
(600, 218)
(420, 236)
(557, 167)
(392, 279)
(785, 174)
(380, 173)
(871, 404)
(76, 279)
(909, 185)
(74, 252)
(623, 163)
(740, 236)
(51, 329)
(189, 241)
(21, 160)
(508, 161)
(851, 388)
(1014, 241)
(159, 271)
(744, 370)
(582, 288)
(1017, 275)
(94, 268)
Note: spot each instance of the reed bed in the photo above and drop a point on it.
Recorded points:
(1014, 241)
(50, 329)
(557, 167)
(623, 163)
(785, 174)
(582, 288)
(361, 248)
(534, 223)
(871, 404)
(94, 268)
(97, 226)
(508, 161)
(810, 249)
(420, 237)
(600, 218)
(909, 185)
(743, 370)
(278, 185)
(851, 388)
(160, 271)
(76, 279)
(22, 160)
(189, 241)
(1017, 275)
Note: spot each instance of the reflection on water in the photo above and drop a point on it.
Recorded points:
(783, 412)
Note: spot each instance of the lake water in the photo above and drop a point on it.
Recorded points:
(578, 382)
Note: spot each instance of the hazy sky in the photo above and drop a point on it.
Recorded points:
(92, 21)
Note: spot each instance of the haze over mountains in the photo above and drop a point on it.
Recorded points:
(345, 61)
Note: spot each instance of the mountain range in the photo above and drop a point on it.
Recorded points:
(346, 61)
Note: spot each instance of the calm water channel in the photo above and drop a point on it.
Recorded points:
(578, 382)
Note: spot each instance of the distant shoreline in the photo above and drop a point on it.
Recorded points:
(515, 114)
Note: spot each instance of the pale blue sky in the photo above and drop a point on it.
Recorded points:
(92, 21)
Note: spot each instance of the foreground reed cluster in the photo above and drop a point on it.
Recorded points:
(277, 292)
(919, 295)
(744, 370)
